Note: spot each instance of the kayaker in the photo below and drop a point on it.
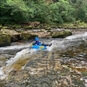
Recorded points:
(37, 42)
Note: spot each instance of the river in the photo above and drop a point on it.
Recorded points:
(64, 64)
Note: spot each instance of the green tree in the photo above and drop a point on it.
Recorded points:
(80, 9)
(5, 9)
(61, 12)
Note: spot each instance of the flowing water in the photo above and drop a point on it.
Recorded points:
(68, 53)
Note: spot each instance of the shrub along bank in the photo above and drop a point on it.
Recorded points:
(56, 11)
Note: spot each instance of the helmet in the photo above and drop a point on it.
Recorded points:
(36, 38)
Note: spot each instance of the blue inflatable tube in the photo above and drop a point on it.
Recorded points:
(38, 47)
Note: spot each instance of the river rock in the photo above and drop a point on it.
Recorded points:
(26, 36)
(60, 34)
(9, 31)
(15, 36)
(0, 27)
(5, 40)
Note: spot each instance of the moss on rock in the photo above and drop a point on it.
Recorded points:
(5, 40)
(0, 26)
(27, 36)
(60, 34)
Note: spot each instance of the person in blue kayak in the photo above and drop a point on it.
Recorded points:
(37, 42)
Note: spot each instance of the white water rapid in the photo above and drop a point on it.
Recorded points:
(25, 54)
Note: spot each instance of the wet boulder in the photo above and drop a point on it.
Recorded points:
(60, 34)
(9, 32)
(15, 36)
(5, 40)
(26, 36)
(0, 27)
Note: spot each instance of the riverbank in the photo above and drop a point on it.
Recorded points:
(38, 25)
(27, 31)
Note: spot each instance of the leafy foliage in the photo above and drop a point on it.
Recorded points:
(62, 11)
(58, 11)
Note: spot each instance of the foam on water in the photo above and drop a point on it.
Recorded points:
(2, 75)
(77, 36)
(19, 56)
(51, 47)
(15, 47)
(73, 40)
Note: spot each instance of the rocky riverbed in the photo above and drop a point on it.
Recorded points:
(63, 66)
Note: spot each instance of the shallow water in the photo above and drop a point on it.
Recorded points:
(69, 52)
